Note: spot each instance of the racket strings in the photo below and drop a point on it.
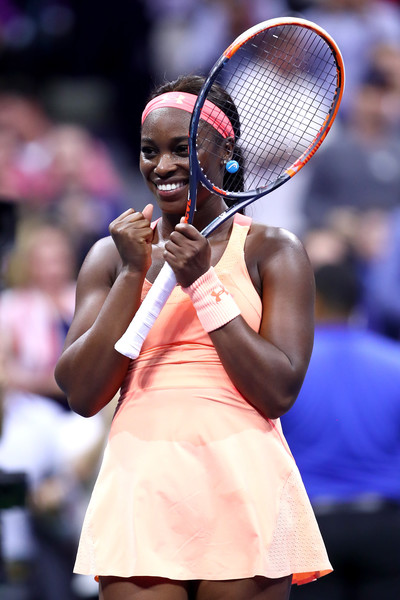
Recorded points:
(283, 82)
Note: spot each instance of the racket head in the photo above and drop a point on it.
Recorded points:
(286, 79)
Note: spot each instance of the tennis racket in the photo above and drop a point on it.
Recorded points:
(286, 79)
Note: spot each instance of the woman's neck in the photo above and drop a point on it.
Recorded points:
(204, 215)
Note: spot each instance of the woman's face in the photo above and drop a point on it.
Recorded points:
(164, 159)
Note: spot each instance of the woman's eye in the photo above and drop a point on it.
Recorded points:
(148, 151)
(182, 149)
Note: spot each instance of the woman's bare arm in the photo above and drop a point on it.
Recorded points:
(267, 367)
(109, 286)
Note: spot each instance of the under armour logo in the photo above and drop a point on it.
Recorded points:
(217, 293)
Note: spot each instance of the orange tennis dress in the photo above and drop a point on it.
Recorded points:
(195, 483)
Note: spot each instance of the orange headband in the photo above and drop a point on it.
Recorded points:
(209, 113)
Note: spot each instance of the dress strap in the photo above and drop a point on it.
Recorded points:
(234, 252)
(242, 220)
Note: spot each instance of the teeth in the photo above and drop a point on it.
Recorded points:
(168, 187)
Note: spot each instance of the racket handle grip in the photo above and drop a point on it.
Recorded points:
(132, 340)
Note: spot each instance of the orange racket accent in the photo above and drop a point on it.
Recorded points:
(322, 133)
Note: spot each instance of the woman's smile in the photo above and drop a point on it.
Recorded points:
(170, 187)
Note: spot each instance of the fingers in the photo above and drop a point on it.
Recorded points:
(130, 216)
(185, 240)
(147, 212)
(185, 231)
(122, 216)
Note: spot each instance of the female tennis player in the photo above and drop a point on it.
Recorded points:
(198, 495)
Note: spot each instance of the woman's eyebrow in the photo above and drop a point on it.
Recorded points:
(178, 138)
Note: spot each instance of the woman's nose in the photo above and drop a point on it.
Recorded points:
(166, 164)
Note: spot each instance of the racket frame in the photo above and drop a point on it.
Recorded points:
(195, 169)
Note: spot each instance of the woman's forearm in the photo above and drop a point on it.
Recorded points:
(90, 371)
(268, 378)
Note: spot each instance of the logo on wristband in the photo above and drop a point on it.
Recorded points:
(217, 293)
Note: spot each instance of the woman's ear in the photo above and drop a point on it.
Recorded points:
(229, 144)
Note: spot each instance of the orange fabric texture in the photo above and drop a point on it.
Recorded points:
(195, 483)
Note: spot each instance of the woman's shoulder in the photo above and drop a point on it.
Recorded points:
(267, 240)
(276, 254)
(103, 249)
(102, 258)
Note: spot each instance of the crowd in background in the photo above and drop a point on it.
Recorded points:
(74, 77)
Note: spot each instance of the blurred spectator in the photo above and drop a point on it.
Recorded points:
(344, 434)
(23, 157)
(203, 29)
(41, 437)
(36, 310)
(382, 284)
(356, 26)
(358, 169)
(353, 189)
(87, 191)
(326, 246)
(385, 66)
(58, 169)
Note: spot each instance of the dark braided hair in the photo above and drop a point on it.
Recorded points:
(192, 84)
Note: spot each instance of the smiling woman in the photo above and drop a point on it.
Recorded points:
(198, 495)
(164, 160)
(166, 175)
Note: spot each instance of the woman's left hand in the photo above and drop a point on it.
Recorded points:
(188, 253)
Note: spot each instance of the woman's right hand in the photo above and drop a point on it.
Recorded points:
(133, 235)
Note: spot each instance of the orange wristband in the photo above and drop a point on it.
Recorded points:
(214, 305)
